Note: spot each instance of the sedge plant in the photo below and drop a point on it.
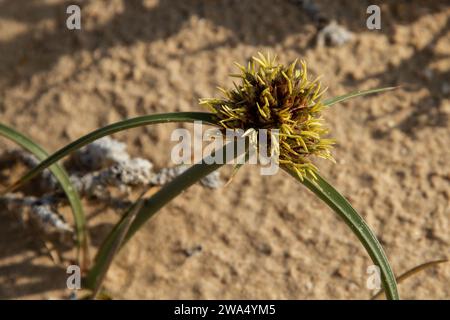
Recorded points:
(268, 96)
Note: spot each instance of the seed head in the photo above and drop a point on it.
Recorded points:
(274, 96)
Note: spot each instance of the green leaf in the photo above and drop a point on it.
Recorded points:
(342, 207)
(115, 245)
(63, 179)
(208, 118)
(151, 206)
(236, 168)
(412, 272)
(354, 94)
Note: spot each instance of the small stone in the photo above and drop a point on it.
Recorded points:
(308, 285)
(192, 251)
(333, 35)
(264, 248)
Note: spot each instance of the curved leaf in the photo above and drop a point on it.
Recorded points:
(342, 207)
(110, 129)
(116, 244)
(412, 272)
(348, 96)
(63, 179)
(149, 207)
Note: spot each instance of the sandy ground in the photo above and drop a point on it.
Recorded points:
(261, 237)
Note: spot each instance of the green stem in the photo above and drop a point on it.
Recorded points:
(342, 207)
(410, 273)
(63, 178)
(117, 243)
(151, 206)
(205, 117)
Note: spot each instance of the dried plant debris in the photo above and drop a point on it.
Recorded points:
(106, 167)
(123, 175)
(38, 210)
(101, 153)
(46, 182)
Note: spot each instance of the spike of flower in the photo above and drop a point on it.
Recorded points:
(274, 96)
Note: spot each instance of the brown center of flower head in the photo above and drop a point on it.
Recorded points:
(272, 96)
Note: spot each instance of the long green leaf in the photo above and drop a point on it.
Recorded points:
(342, 207)
(151, 206)
(117, 243)
(151, 119)
(412, 272)
(108, 130)
(348, 96)
(63, 179)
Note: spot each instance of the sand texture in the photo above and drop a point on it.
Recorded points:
(260, 237)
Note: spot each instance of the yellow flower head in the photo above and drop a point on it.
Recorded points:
(273, 96)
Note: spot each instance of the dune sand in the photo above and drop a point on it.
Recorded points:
(261, 237)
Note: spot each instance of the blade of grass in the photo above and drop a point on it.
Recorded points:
(129, 215)
(342, 207)
(108, 130)
(359, 93)
(151, 119)
(151, 206)
(412, 272)
(63, 179)
(236, 168)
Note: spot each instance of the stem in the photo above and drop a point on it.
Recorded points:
(359, 227)
(151, 206)
(208, 118)
(115, 246)
(410, 273)
(64, 180)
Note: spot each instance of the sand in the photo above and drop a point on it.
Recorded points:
(261, 237)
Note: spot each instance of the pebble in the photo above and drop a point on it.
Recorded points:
(333, 35)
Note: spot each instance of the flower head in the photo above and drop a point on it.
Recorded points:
(274, 96)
